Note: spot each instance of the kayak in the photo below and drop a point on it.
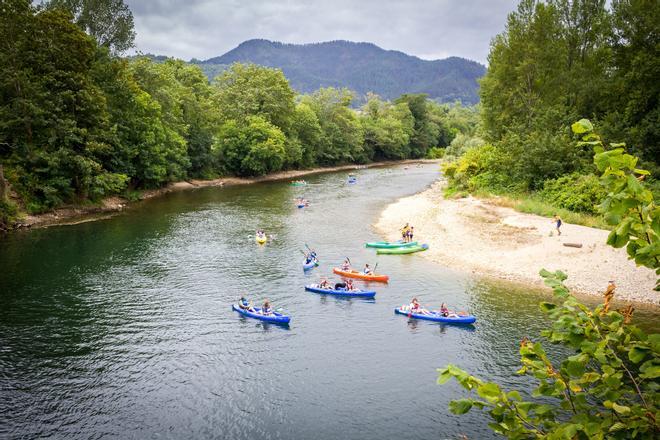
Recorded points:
(301, 205)
(310, 265)
(298, 183)
(261, 240)
(274, 317)
(389, 245)
(452, 319)
(360, 275)
(403, 250)
(352, 180)
(342, 292)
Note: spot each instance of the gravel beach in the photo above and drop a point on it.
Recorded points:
(474, 235)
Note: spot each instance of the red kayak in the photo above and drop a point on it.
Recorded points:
(360, 275)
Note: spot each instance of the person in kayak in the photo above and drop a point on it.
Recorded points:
(349, 285)
(244, 304)
(367, 269)
(266, 308)
(324, 284)
(346, 266)
(411, 233)
(444, 311)
(414, 306)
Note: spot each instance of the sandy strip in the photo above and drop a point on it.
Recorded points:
(473, 235)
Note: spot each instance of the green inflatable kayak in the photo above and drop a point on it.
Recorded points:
(403, 250)
(388, 245)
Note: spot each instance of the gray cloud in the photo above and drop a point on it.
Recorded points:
(429, 29)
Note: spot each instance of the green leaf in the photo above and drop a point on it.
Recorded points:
(546, 306)
(575, 368)
(460, 406)
(651, 372)
(618, 426)
(621, 409)
(489, 391)
(582, 126)
(637, 354)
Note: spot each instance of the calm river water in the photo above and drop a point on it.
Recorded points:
(123, 328)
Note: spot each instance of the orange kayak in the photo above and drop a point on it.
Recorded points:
(360, 275)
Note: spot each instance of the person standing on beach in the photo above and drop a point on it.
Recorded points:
(404, 232)
(557, 221)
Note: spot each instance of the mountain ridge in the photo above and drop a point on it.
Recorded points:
(360, 66)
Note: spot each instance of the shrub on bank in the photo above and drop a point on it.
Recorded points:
(575, 192)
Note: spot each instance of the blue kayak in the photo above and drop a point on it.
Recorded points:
(468, 319)
(301, 206)
(342, 292)
(310, 265)
(273, 317)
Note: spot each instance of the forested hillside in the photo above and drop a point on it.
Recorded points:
(78, 122)
(362, 67)
(555, 63)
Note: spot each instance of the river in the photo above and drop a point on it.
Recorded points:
(123, 328)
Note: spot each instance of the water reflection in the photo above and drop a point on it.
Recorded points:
(123, 328)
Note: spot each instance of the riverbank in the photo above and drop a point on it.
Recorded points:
(489, 240)
(77, 214)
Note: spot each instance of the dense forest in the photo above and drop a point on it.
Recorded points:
(556, 62)
(78, 122)
(361, 67)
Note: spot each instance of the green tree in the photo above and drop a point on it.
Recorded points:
(633, 113)
(54, 117)
(253, 147)
(342, 139)
(199, 115)
(307, 132)
(246, 90)
(168, 158)
(425, 131)
(387, 129)
(110, 22)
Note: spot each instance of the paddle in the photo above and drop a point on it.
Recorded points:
(374, 271)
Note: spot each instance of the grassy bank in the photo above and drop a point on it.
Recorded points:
(532, 204)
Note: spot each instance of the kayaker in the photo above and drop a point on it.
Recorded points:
(349, 285)
(411, 232)
(444, 311)
(266, 309)
(414, 306)
(244, 304)
(346, 266)
(324, 284)
(367, 269)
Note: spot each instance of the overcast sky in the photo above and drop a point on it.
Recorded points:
(429, 29)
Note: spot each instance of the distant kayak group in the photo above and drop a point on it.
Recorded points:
(346, 288)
